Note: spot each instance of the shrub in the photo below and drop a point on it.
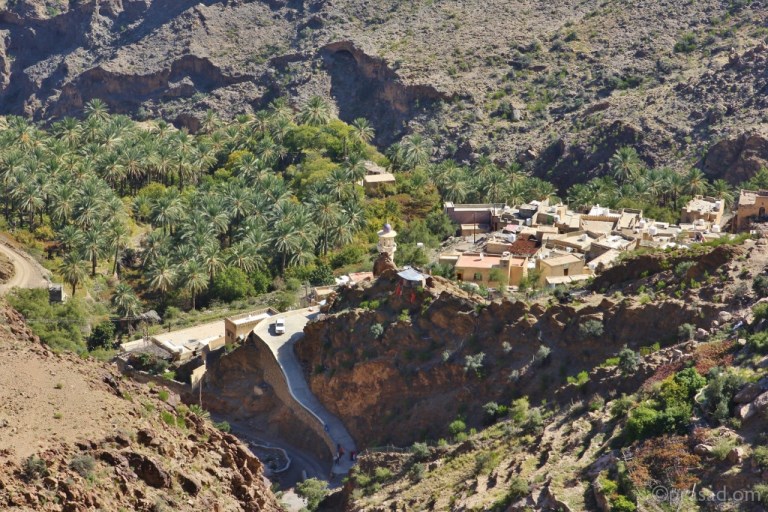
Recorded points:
(621, 406)
(417, 472)
(377, 330)
(163, 395)
(760, 454)
(231, 284)
(519, 409)
(580, 379)
(629, 360)
(518, 488)
(33, 468)
(457, 427)
(405, 316)
(313, 490)
(687, 43)
(722, 447)
(420, 451)
(686, 331)
(719, 391)
(621, 503)
(762, 492)
(760, 312)
(223, 426)
(682, 268)
(474, 363)
(82, 465)
(591, 328)
(760, 286)
(542, 353)
(382, 474)
(493, 411)
(485, 462)
(102, 336)
(596, 404)
(759, 342)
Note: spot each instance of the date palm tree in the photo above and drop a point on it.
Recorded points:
(161, 275)
(72, 270)
(625, 164)
(194, 279)
(125, 301)
(316, 112)
(362, 132)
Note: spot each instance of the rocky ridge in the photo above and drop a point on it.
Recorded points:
(75, 436)
(396, 366)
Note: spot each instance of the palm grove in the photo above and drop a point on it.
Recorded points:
(179, 216)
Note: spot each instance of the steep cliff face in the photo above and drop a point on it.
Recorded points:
(74, 435)
(365, 86)
(398, 366)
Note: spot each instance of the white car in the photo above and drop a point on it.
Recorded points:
(280, 326)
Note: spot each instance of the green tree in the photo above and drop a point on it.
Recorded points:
(313, 490)
(231, 284)
(73, 270)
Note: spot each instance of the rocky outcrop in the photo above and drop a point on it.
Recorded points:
(365, 86)
(383, 263)
(112, 444)
(406, 369)
(7, 270)
(738, 159)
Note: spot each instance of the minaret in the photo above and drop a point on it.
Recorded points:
(387, 242)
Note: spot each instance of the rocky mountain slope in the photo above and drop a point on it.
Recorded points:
(76, 436)
(558, 85)
(399, 367)
(584, 443)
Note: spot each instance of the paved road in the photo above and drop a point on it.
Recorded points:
(282, 347)
(29, 273)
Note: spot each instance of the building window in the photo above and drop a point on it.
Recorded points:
(478, 276)
(565, 272)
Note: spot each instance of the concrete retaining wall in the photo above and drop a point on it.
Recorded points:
(275, 377)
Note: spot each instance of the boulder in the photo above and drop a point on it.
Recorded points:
(149, 471)
(703, 450)
(190, 484)
(735, 456)
(724, 316)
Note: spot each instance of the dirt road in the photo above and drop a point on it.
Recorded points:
(29, 273)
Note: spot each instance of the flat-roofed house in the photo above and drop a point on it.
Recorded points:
(490, 270)
(475, 218)
(561, 266)
(373, 182)
(708, 209)
(752, 206)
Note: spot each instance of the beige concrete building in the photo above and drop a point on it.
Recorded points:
(241, 325)
(486, 269)
(707, 209)
(752, 206)
(560, 265)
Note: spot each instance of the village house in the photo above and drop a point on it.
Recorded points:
(707, 209)
(475, 218)
(490, 270)
(752, 207)
(238, 327)
(561, 268)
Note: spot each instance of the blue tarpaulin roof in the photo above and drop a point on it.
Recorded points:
(411, 275)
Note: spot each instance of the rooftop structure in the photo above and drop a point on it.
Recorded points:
(708, 209)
